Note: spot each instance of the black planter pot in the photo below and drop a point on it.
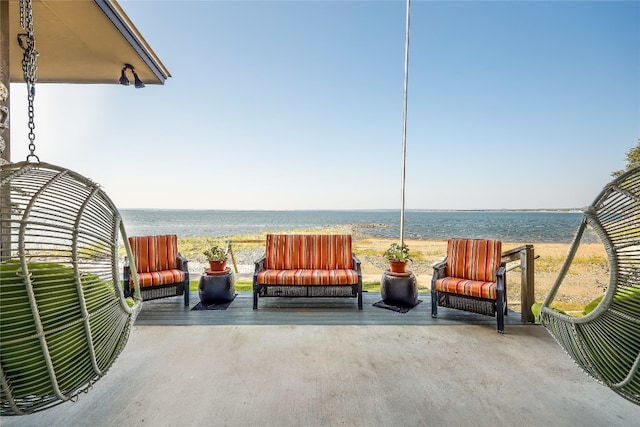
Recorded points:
(217, 288)
(400, 289)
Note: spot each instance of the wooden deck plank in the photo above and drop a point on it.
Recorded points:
(305, 311)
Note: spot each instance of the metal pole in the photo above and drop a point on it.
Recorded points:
(5, 134)
(5, 77)
(404, 121)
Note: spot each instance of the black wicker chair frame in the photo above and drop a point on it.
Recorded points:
(488, 307)
(160, 291)
(307, 291)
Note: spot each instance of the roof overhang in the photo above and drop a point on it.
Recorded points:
(82, 41)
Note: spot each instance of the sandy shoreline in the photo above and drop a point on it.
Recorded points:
(587, 278)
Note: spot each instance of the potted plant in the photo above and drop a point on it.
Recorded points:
(398, 256)
(217, 257)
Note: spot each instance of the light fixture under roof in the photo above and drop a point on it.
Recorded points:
(124, 80)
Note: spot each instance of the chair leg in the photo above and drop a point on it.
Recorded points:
(434, 304)
(500, 315)
(126, 282)
(186, 290)
(506, 310)
(255, 298)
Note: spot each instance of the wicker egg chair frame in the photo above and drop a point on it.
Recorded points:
(605, 343)
(64, 318)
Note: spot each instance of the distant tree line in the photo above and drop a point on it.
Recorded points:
(633, 160)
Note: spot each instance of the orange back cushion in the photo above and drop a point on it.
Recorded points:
(303, 251)
(473, 259)
(155, 253)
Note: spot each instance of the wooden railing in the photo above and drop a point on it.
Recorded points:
(527, 282)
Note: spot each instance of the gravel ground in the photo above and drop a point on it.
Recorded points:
(245, 259)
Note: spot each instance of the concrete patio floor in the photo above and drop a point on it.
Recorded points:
(341, 375)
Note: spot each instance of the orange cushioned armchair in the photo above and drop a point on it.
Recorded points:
(472, 278)
(162, 271)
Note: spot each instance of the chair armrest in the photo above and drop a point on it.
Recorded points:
(356, 264)
(439, 269)
(259, 265)
(500, 276)
(183, 263)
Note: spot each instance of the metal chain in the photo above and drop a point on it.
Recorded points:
(28, 44)
(4, 112)
(22, 25)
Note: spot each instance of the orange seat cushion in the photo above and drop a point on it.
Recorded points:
(164, 277)
(472, 288)
(308, 252)
(156, 260)
(473, 259)
(308, 277)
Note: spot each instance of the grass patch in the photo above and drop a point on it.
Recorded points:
(416, 255)
(554, 263)
(591, 260)
(371, 286)
(365, 252)
(244, 286)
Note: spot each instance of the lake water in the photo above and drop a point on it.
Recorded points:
(508, 226)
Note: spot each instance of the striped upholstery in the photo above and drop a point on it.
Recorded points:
(164, 277)
(473, 259)
(302, 251)
(300, 259)
(156, 259)
(471, 268)
(472, 288)
(308, 277)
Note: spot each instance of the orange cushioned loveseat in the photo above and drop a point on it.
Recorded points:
(162, 271)
(307, 265)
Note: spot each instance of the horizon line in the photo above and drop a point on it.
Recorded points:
(364, 210)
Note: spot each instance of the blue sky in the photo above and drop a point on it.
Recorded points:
(298, 105)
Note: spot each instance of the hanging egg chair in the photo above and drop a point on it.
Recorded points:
(63, 315)
(605, 342)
